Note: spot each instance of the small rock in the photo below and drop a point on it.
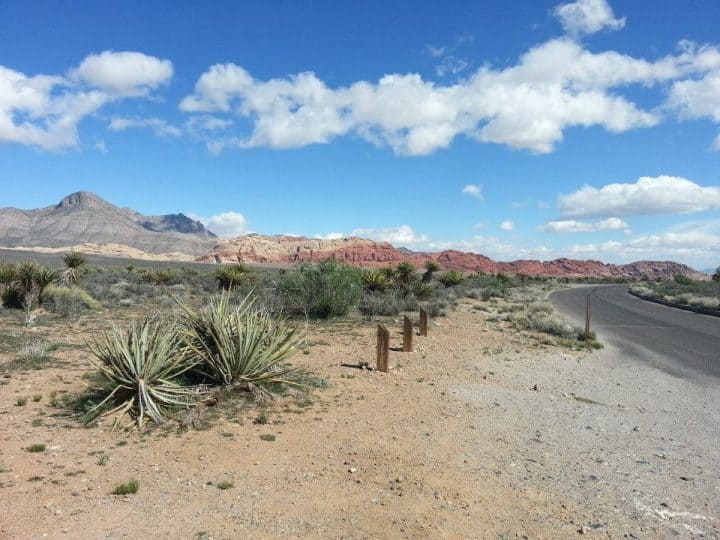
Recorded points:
(352, 470)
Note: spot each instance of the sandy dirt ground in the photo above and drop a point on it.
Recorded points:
(482, 432)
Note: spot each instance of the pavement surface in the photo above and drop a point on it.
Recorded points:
(683, 343)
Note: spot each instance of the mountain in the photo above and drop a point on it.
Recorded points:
(84, 217)
(86, 222)
(363, 252)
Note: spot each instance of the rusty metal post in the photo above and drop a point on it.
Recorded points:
(423, 323)
(407, 335)
(383, 348)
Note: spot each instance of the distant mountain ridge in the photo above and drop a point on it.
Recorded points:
(83, 217)
(84, 221)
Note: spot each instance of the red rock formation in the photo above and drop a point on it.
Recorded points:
(368, 253)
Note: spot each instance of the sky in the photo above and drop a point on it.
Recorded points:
(527, 129)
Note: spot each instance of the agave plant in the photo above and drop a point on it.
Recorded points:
(8, 273)
(76, 263)
(231, 277)
(240, 343)
(375, 281)
(141, 368)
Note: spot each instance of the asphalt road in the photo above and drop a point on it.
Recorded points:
(681, 342)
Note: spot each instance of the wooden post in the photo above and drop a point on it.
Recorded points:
(587, 317)
(407, 335)
(423, 322)
(383, 348)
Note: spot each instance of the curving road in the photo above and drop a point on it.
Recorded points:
(680, 342)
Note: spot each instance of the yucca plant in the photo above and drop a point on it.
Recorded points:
(238, 344)
(25, 276)
(451, 278)
(405, 273)
(375, 281)
(421, 291)
(8, 273)
(76, 263)
(232, 276)
(44, 276)
(431, 267)
(141, 368)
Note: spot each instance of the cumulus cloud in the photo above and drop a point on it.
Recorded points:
(159, 126)
(555, 85)
(574, 226)
(507, 225)
(404, 235)
(587, 17)
(649, 195)
(44, 110)
(473, 190)
(224, 224)
(124, 73)
(330, 236)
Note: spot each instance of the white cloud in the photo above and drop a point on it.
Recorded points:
(658, 195)
(473, 190)
(507, 225)
(224, 224)
(404, 235)
(160, 127)
(587, 17)
(698, 98)
(45, 110)
(574, 226)
(554, 86)
(124, 73)
(330, 236)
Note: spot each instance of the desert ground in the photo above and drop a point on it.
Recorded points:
(483, 431)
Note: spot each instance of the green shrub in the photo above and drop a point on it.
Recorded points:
(66, 301)
(451, 278)
(321, 290)
(76, 264)
(375, 281)
(238, 343)
(12, 297)
(162, 276)
(431, 268)
(421, 291)
(129, 488)
(231, 277)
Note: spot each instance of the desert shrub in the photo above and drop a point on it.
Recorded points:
(233, 276)
(66, 301)
(682, 279)
(321, 290)
(421, 291)
(716, 275)
(474, 293)
(541, 317)
(238, 343)
(140, 369)
(158, 276)
(375, 281)
(383, 304)
(12, 297)
(451, 278)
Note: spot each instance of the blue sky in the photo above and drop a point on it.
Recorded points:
(530, 129)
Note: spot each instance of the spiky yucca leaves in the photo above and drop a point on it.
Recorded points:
(431, 267)
(44, 276)
(240, 343)
(25, 276)
(76, 263)
(405, 273)
(141, 367)
(8, 273)
(231, 277)
(421, 291)
(375, 281)
(451, 278)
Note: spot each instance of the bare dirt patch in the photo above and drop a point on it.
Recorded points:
(482, 432)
